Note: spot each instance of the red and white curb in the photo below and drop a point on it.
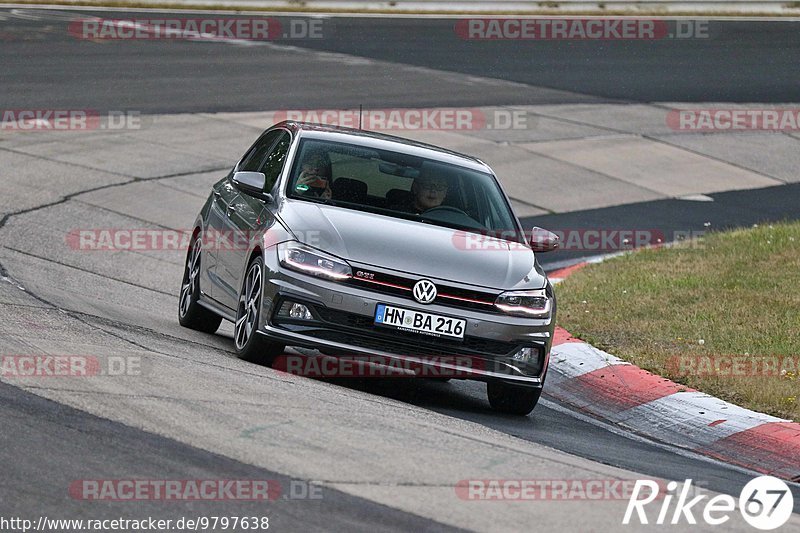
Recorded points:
(603, 385)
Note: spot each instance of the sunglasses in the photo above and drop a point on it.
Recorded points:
(435, 187)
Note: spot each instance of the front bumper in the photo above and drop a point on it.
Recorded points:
(343, 325)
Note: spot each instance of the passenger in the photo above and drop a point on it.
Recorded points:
(315, 175)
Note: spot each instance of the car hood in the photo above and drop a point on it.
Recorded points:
(412, 247)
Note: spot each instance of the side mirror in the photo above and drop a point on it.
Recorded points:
(252, 183)
(543, 241)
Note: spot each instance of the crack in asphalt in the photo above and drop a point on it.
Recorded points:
(525, 202)
(389, 484)
(780, 181)
(609, 177)
(84, 317)
(28, 306)
(137, 329)
(70, 196)
(133, 328)
(126, 215)
(144, 396)
(649, 138)
(177, 189)
(81, 269)
(133, 179)
(68, 163)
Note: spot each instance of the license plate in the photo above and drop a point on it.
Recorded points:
(419, 322)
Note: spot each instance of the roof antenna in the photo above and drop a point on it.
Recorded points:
(360, 109)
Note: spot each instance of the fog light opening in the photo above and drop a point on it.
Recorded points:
(300, 311)
(295, 310)
(523, 355)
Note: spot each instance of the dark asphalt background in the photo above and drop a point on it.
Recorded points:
(44, 66)
(46, 447)
(674, 219)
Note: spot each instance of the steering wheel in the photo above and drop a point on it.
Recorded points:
(452, 215)
(444, 209)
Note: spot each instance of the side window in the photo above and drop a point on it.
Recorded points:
(252, 161)
(272, 165)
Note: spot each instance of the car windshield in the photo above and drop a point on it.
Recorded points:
(400, 185)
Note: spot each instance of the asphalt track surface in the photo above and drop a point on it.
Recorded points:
(737, 62)
(670, 217)
(44, 444)
(35, 485)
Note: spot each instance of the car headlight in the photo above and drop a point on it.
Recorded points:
(525, 303)
(303, 258)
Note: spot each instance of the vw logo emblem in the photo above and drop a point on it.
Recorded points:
(424, 291)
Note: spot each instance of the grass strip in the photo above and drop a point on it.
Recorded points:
(720, 314)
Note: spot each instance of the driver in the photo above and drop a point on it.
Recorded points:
(429, 189)
(428, 192)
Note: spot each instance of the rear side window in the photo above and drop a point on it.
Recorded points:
(253, 160)
(273, 163)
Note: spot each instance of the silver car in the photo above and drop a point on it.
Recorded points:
(375, 248)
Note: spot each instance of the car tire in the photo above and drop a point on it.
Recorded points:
(512, 399)
(191, 314)
(248, 344)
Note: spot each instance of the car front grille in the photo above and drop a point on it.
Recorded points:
(449, 295)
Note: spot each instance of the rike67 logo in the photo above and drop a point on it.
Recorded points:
(766, 503)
